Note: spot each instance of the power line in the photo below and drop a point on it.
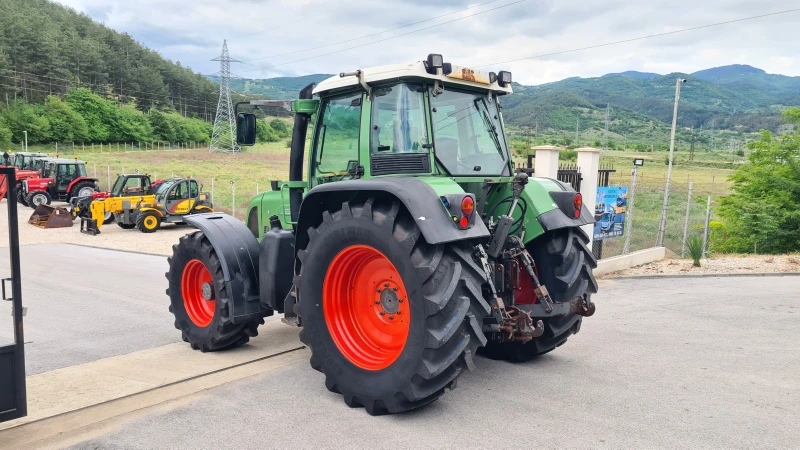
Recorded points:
(388, 38)
(666, 33)
(374, 34)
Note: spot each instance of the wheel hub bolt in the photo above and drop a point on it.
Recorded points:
(207, 291)
(391, 317)
(382, 313)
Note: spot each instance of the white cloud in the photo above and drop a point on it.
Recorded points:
(258, 28)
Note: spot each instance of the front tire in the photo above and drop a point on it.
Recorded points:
(376, 245)
(199, 298)
(21, 195)
(564, 264)
(37, 198)
(148, 222)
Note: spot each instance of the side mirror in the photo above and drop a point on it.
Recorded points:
(245, 129)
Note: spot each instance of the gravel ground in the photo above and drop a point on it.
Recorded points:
(111, 236)
(727, 264)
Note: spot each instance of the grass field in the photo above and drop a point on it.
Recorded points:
(252, 170)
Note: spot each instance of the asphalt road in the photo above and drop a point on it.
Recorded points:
(86, 304)
(697, 363)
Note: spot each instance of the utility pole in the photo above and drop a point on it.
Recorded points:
(663, 228)
(608, 112)
(577, 132)
(629, 213)
(691, 149)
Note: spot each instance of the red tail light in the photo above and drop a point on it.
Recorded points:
(464, 222)
(467, 206)
(577, 202)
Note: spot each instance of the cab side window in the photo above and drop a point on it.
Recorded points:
(398, 120)
(336, 148)
(193, 189)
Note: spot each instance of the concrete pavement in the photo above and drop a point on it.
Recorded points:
(700, 363)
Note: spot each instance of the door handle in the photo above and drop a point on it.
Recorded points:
(8, 299)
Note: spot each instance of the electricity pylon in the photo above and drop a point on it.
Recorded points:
(223, 137)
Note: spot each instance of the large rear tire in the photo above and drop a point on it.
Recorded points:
(21, 195)
(199, 299)
(433, 293)
(564, 266)
(82, 189)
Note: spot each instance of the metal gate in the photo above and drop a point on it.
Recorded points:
(13, 398)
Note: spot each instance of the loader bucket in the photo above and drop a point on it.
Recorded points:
(45, 216)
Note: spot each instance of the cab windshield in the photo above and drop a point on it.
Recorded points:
(468, 134)
(162, 190)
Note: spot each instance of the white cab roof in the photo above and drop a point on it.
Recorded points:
(375, 75)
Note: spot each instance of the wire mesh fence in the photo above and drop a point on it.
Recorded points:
(686, 215)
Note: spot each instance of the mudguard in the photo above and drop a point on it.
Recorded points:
(78, 180)
(237, 251)
(418, 197)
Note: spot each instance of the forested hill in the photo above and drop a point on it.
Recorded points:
(46, 48)
(736, 97)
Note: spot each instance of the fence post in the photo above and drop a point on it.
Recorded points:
(212, 190)
(256, 188)
(83, 149)
(92, 147)
(705, 232)
(629, 213)
(686, 222)
(126, 146)
(108, 174)
(95, 170)
(233, 198)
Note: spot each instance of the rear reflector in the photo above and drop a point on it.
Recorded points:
(464, 223)
(577, 202)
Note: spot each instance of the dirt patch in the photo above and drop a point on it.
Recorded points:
(111, 236)
(725, 264)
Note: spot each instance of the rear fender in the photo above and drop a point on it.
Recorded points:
(237, 251)
(418, 197)
(78, 180)
(146, 209)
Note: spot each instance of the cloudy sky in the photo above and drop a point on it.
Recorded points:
(297, 37)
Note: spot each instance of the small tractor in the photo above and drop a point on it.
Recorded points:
(62, 180)
(409, 245)
(23, 161)
(133, 204)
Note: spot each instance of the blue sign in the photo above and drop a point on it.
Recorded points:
(609, 212)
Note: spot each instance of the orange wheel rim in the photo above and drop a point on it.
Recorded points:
(198, 293)
(366, 307)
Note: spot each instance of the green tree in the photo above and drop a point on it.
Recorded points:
(5, 135)
(97, 112)
(66, 125)
(281, 128)
(21, 117)
(265, 132)
(161, 126)
(130, 125)
(763, 213)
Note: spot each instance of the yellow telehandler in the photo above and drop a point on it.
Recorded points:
(172, 200)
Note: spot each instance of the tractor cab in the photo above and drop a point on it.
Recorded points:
(25, 160)
(177, 197)
(128, 185)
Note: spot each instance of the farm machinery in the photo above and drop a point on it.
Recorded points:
(410, 245)
(62, 180)
(135, 202)
(23, 161)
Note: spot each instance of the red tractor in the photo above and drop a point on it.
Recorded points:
(62, 180)
(23, 161)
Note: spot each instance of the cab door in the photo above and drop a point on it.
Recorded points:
(180, 199)
(65, 173)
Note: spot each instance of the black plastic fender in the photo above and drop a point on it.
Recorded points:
(417, 196)
(237, 251)
(563, 217)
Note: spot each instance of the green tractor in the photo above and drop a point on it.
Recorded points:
(409, 245)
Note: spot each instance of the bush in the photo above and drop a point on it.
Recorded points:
(5, 135)
(695, 246)
(567, 155)
(66, 125)
(21, 117)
